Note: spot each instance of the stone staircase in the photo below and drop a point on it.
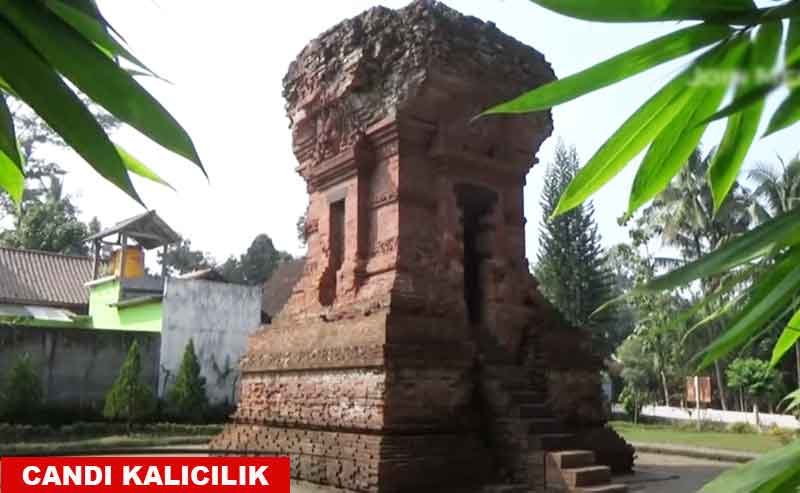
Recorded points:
(539, 452)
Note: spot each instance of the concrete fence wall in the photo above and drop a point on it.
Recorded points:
(77, 366)
(218, 317)
(719, 416)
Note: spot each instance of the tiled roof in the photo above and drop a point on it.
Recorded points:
(280, 285)
(42, 278)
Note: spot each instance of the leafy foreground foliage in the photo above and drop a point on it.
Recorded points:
(53, 46)
(188, 396)
(129, 399)
(21, 393)
(745, 40)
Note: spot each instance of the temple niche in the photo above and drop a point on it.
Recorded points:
(415, 353)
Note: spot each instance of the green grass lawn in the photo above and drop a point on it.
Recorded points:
(672, 435)
(108, 442)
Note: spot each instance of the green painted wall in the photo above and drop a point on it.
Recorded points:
(145, 317)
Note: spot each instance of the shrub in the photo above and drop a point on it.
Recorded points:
(741, 428)
(22, 392)
(188, 396)
(129, 399)
(783, 435)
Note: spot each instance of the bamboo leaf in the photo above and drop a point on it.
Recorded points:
(94, 30)
(8, 138)
(743, 126)
(789, 337)
(787, 114)
(680, 138)
(48, 95)
(792, 55)
(98, 77)
(613, 70)
(636, 133)
(742, 101)
(781, 231)
(136, 166)
(771, 295)
(648, 10)
(11, 178)
(759, 475)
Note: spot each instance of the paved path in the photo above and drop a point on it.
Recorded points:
(671, 474)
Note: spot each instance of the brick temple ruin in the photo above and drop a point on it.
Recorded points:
(415, 353)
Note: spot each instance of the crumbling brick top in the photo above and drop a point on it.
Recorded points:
(382, 56)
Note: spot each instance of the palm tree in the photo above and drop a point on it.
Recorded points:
(777, 192)
(683, 217)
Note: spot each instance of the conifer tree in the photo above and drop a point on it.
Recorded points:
(129, 399)
(571, 264)
(188, 396)
(21, 396)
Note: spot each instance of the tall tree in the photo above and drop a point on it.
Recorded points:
(777, 190)
(571, 265)
(182, 259)
(257, 264)
(684, 218)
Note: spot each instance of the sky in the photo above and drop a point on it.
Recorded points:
(225, 62)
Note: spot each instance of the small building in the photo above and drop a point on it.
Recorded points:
(217, 316)
(77, 316)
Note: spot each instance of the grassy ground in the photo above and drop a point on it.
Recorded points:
(672, 435)
(109, 442)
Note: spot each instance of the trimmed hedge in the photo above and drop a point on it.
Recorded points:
(10, 433)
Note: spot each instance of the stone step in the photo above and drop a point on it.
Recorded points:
(586, 476)
(545, 425)
(552, 441)
(506, 488)
(570, 459)
(604, 488)
(534, 411)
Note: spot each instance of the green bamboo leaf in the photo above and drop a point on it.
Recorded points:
(793, 400)
(769, 296)
(94, 30)
(637, 132)
(680, 138)
(759, 475)
(136, 166)
(787, 114)
(792, 55)
(790, 336)
(648, 10)
(728, 286)
(779, 232)
(613, 70)
(11, 178)
(8, 138)
(744, 100)
(44, 91)
(743, 126)
(105, 82)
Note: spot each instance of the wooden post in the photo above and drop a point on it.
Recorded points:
(697, 400)
(124, 257)
(96, 266)
(164, 262)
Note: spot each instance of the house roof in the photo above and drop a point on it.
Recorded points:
(280, 285)
(42, 278)
(148, 229)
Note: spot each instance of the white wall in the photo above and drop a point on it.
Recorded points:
(719, 416)
(218, 317)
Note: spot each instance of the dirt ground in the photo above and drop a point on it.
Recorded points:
(672, 474)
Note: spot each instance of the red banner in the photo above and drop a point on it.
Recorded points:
(144, 475)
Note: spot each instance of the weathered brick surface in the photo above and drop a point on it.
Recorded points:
(374, 375)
